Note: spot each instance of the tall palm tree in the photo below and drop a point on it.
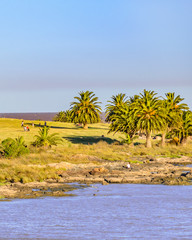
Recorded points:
(149, 114)
(186, 128)
(142, 112)
(114, 105)
(86, 109)
(174, 109)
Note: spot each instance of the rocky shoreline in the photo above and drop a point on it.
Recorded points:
(37, 189)
(152, 171)
(166, 171)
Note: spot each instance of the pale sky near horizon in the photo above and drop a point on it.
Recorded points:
(52, 49)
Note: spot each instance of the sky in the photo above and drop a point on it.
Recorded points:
(50, 50)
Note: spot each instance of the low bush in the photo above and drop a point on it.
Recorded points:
(44, 139)
(13, 147)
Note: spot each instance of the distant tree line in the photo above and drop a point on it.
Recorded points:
(143, 113)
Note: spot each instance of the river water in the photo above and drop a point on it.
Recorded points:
(115, 211)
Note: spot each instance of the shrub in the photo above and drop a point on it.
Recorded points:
(44, 139)
(13, 147)
(126, 140)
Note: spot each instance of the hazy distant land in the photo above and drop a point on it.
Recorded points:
(44, 116)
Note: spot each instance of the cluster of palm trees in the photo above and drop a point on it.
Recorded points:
(144, 113)
(147, 113)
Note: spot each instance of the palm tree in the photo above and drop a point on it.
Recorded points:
(13, 147)
(114, 105)
(63, 116)
(44, 139)
(86, 109)
(173, 108)
(142, 112)
(186, 128)
(133, 99)
(60, 117)
(122, 121)
(174, 102)
(67, 116)
(149, 114)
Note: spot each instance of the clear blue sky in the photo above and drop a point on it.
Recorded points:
(52, 49)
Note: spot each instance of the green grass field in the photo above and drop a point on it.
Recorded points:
(68, 131)
(78, 144)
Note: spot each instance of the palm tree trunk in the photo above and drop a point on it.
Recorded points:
(163, 139)
(184, 141)
(148, 139)
(85, 126)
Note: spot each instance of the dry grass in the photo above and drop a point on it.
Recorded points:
(78, 144)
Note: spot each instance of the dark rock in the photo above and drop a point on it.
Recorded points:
(151, 160)
(105, 183)
(184, 174)
(98, 171)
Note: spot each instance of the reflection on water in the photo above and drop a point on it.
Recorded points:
(102, 212)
